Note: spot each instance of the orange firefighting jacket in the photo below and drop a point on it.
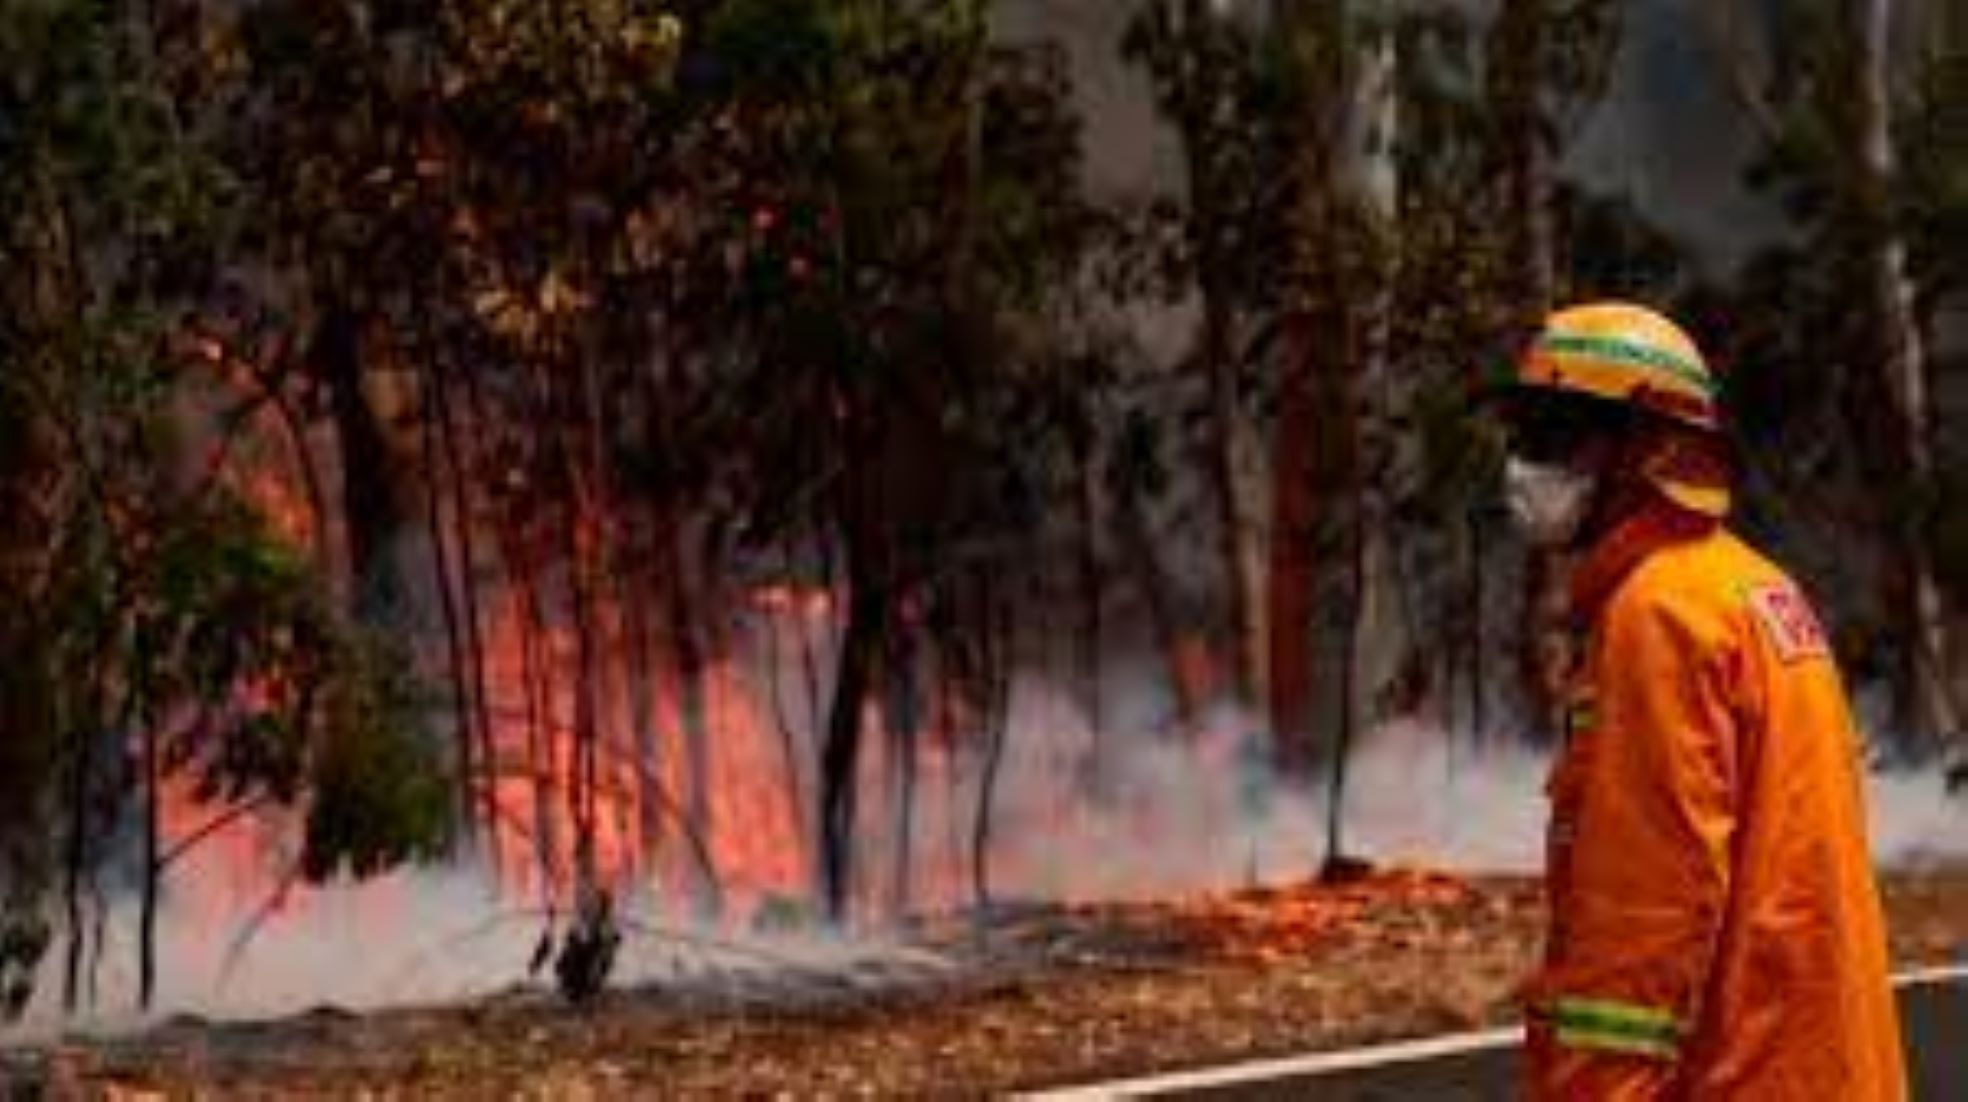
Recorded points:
(1715, 926)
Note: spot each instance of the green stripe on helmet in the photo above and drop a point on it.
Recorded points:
(1634, 355)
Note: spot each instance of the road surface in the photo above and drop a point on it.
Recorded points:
(1482, 1067)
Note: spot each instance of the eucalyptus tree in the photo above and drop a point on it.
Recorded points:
(161, 637)
(1851, 102)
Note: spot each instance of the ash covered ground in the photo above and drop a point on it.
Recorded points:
(968, 1004)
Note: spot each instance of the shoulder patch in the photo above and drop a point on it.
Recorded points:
(1788, 622)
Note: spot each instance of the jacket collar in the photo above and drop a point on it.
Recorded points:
(1625, 546)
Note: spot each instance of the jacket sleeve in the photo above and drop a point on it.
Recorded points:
(1643, 831)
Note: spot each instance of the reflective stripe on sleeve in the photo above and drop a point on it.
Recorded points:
(1615, 1026)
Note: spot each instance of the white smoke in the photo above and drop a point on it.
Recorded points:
(1173, 816)
(415, 937)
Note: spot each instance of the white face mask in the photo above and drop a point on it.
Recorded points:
(1548, 502)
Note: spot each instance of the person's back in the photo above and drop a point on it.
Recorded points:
(1715, 927)
(1721, 927)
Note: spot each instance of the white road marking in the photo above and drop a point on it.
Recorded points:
(1370, 1056)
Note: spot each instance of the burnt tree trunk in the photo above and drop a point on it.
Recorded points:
(867, 624)
(1373, 648)
(1238, 546)
(640, 594)
(76, 871)
(372, 509)
(1476, 669)
(153, 869)
(994, 713)
(464, 744)
(1302, 454)
(901, 721)
(536, 682)
(460, 462)
(782, 721)
(1294, 559)
(693, 708)
(1151, 578)
(584, 773)
(1088, 653)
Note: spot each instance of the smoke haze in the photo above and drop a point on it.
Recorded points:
(1169, 818)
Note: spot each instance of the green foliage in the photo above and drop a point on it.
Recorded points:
(153, 629)
(379, 793)
(233, 628)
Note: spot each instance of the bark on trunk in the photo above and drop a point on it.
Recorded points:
(1372, 645)
(901, 712)
(1925, 711)
(1294, 560)
(464, 738)
(1228, 447)
(693, 710)
(1517, 50)
(536, 681)
(372, 511)
(153, 780)
(994, 713)
(1088, 653)
(76, 873)
(1137, 545)
(789, 742)
(867, 617)
(1237, 541)
(638, 593)
(460, 462)
(584, 771)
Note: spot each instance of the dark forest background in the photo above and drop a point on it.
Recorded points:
(342, 343)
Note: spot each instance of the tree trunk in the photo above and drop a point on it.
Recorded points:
(1476, 669)
(1137, 545)
(994, 673)
(901, 719)
(1228, 447)
(789, 749)
(153, 868)
(693, 710)
(1088, 653)
(372, 510)
(584, 773)
(638, 596)
(1924, 709)
(867, 618)
(464, 744)
(1308, 390)
(76, 871)
(459, 463)
(1373, 648)
(1297, 480)
(1516, 62)
(1238, 545)
(536, 680)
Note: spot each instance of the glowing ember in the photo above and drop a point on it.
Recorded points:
(1264, 924)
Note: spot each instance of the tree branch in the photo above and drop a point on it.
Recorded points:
(212, 826)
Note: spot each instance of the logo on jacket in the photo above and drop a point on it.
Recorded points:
(1788, 621)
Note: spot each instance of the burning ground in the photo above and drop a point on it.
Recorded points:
(1018, 996)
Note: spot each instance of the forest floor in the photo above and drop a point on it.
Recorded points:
(1028, 996)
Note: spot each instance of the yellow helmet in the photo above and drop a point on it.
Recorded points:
(1625, 353)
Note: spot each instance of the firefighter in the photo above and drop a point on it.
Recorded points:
(1715, 928)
